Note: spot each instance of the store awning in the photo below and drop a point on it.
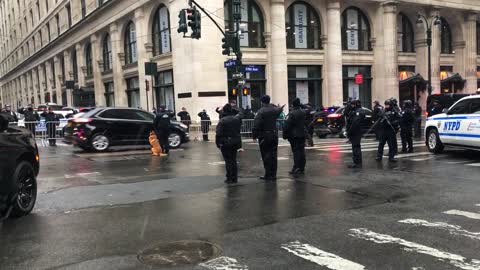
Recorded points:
(412, 78)
(450, 77)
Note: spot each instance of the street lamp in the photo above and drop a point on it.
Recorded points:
(434, 21)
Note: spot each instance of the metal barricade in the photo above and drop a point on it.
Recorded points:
(45, 133)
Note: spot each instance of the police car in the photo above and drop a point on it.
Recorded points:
(459, 126)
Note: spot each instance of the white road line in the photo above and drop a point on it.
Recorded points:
(414, 155)
(418, 268)
(452, 229)
(473, 164)
(82, 175)
(463, 213)
(320, 257)
(367, 149)
(421, 159)
(224, 263)
(454, 259)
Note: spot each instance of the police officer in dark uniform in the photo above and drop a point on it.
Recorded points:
(354, 131)
(417, 112)
(9, 115)
(185, 117)
(265, 130)
(377, 111)
(228, 140)
(388, 127)
(161, 125)
(309, 113)
(52, 121)
(406, 125)
(294, 131)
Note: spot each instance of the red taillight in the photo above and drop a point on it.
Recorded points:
(82, 120)
(334, 115)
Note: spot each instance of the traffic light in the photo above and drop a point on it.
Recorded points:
(226, 45)
(182, 22)
(246, 91)
(195, 22)
(234, 91)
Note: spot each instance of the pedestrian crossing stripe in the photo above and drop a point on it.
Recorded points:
(320, 257)
(452, 229)
(454, 259)
(466, 214)
(224, 263)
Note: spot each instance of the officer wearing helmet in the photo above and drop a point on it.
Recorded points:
(354, 131)
(388, 127)
(406, 126)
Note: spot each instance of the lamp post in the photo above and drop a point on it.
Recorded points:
(434, 21)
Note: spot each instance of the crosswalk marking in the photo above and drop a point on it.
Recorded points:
(454, 259)
(474, 164)
(320, 257)
(463, 213)
(452, 229)
(367, 149)
(224, 263)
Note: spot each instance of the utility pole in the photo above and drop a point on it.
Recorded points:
(429, 23)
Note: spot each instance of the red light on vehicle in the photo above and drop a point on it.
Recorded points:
(334, 115)
(82, 120)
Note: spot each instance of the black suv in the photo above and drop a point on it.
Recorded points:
(101, 128)
(19, 166)
(336, 123)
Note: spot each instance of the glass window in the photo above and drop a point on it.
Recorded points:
(69, 15)
(353, 90)
(52, 70)
(446, 37)
(48, 31)
(475, 106)
(130, 44)
(133, 92)
(355, 30)
(88, 59)
(303, 27)
(74, 65)
(83, 7)
(164, 90)
(109, 94)
(115, 114)
(161, 31)
(251, 23)
(460, 108)
(57, 20)
(141, 115)
(305, 83)
(405, 34)
(107, 53)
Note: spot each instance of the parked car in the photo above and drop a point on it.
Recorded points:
(19, 166)
(444, 100)
(320, 121)
(458, 126)
(336, 123)
(101, 128)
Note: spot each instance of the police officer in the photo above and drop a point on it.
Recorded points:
(377, 111)
(388, 127)
(228, 140)
(417, 112)
(308, 123)
(406, 125)
(294, 131)
(9, 115)
(31, 118)
(161, 126)
(205, 124)
(185, 117)
(52, 121)
(354, 131)
(265, 130)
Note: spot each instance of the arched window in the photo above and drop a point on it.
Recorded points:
(405, 34)
(446, 37)
(251, 23)
(107, 53)
(355, 30)
(88, 59)
(74, 64)
(161, 31)
(303, 27)
(130, 44)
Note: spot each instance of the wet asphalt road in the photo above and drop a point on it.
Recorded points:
(98, 211)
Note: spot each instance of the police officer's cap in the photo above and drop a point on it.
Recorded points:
(296, 102)
(388, 102)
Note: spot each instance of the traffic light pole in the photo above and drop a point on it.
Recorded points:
(191, 2)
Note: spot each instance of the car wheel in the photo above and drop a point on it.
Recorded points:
(174, 140)
(434, 144)
(24, 201)
(100, 143)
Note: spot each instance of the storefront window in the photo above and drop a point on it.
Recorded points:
(355, 30)
(305, 83)
(109, 94)
(251, 23)
(256, 82)
(164, 92)
(303, 27)
(351, 89)
(133, 92)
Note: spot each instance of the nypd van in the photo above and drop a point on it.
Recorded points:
(459, 126)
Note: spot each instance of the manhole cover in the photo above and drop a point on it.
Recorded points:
(179, 253)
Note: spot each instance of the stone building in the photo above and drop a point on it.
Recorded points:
(322, 51)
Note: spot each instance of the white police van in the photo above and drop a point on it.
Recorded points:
(459, 126)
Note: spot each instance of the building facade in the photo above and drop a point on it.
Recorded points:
(322, 51)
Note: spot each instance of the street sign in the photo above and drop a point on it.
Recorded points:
(242, 81)
(230, 63)
(238, 75)
(251, 68)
